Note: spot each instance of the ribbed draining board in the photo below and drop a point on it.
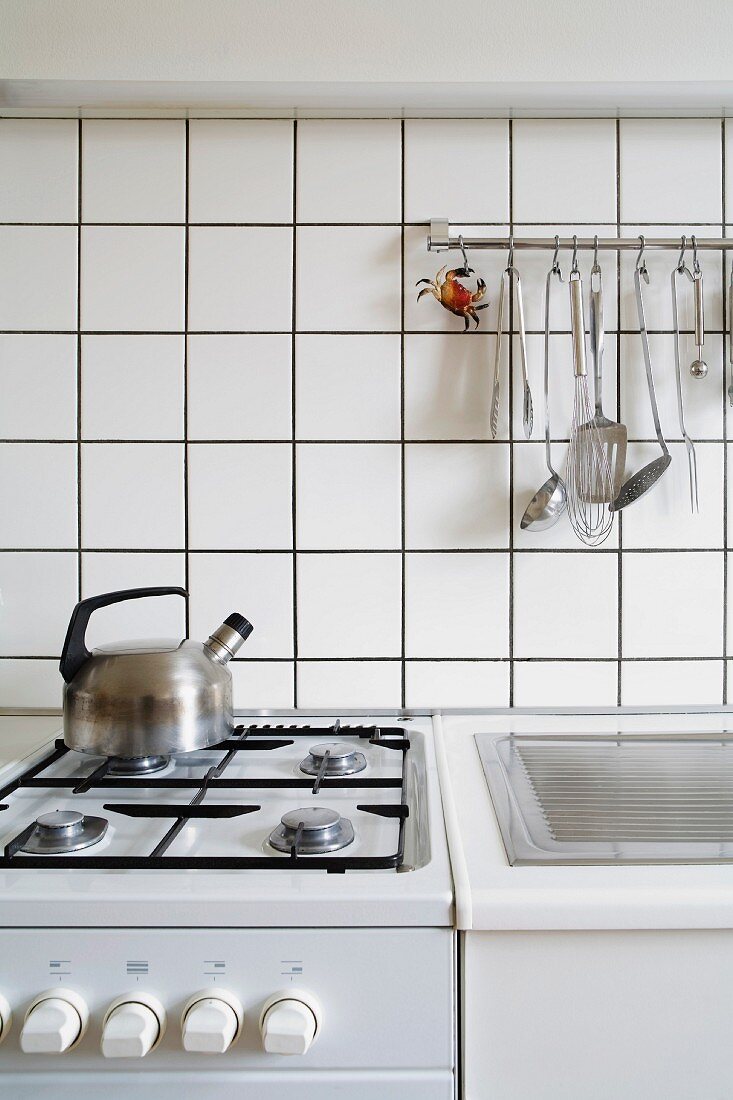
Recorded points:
(598, 800)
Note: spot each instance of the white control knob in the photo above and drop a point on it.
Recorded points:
(211, 1021)
(132, 1027)
(54, 1022)
(289, 1022)
(6, 1017)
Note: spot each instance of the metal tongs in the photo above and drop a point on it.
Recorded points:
(508, 274)
(678, 273)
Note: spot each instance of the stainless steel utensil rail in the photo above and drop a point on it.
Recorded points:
(440, 240)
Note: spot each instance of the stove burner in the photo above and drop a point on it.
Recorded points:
(312, 830)
(343, 759)
(137, 765)
(64, 831)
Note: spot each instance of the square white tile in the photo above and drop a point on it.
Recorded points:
(239, 496)
(240, 170)
(258, 586)
(40, 176)
(38, 278)
(38, 486)
(132, 496)
(133, 170)
(356, 685)
(564, 169)
(38, 491)
(31, 683)
(349, 604)
(132, 278)
(565, 605)
(347, 387)
(426, 314)
(565, 683)
(529, 472)
(348, 496)
(239, 387)
(132, 387)
(240, 279)
(37, 595)
(349, 170)
(457, 683)
(38, 383)
(457, 605)
(348, 279)
(262, 685)
(448, 386)
(435, 185)
(671, 683)
(671, 169)
(703, 408)
(657, 293)
(663, 517)
(159, 617)
(561, 383)
(456, 496)
(673, 604)
(534, 263)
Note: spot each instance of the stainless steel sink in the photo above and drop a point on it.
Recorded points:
(623, 799)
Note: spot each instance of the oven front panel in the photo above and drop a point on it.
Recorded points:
(385, 996)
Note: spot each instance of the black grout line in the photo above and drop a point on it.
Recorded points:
(362, 550)
(619, 564)
(186, 501)
(337, 332)
(510, 399)
(293, 413)
(403, 496)
(395, 659)
(727, 320)
(78, 362)
(280, 442)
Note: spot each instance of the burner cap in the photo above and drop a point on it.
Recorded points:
(137, 765)
(64, 831)
(343, 759)
(321, 830)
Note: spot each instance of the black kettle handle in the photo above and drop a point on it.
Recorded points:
(75, 652)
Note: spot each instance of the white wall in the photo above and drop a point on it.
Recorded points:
(246, 398)
(250, 48)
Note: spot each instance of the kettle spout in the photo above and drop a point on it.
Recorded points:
(229, 637)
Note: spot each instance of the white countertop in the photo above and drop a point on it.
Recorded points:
(492, 895)
(21, 735)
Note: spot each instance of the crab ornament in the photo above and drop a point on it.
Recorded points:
(453, 295)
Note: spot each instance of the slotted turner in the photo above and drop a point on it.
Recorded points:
(611, 435)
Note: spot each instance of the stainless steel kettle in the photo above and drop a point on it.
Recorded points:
(138, 700)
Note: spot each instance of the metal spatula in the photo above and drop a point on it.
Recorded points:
(611, 436)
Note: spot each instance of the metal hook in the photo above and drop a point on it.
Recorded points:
(510, 261)
(575, 254)
(596, 266)
(681, 259)
(462, 247)
(556, 263)
(695, 261)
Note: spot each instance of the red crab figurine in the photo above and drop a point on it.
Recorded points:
(455, 296)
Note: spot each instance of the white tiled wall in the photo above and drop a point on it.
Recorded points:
(214, 372)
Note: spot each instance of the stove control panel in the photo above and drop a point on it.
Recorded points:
(211, 1021)
(54, 1023)
(133, 1026)
(107, 1001)
(290, 1022)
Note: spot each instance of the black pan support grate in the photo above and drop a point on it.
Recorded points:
(266, 737)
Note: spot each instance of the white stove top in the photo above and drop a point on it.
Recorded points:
(213, 861)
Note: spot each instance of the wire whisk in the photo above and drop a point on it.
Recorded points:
(588, 477)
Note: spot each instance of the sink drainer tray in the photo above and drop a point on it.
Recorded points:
(621, 799)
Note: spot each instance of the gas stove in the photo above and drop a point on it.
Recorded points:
(305, 793)
(285, 892)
